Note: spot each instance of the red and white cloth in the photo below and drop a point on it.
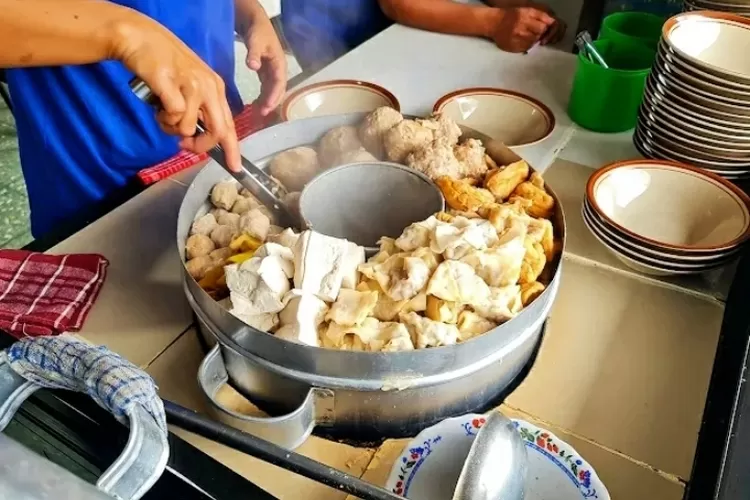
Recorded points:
(245, 123)
(44, 294)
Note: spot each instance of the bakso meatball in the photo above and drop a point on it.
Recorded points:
(222, 236)
(229, 219)
(295, 167)
(255, 223)
(375, 125)
(220, 255)
(291, 200)
(443, 127)
(199, 266)
(335, 142)
(224, 194)
(242, 205)
(471, 156)
(404, 138)
(198, 245)
(360, 155)
(435, 160)
(204, 225)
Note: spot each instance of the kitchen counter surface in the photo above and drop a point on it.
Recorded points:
(625, 365)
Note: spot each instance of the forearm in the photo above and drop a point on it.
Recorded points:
(443, 16)
(246, 13)
(57, 32)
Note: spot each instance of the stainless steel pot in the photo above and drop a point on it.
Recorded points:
(357, 394)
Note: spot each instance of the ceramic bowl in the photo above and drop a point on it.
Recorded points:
(507, 116)
(712, 41)
(693, 149)
(429, 466)
(670, 205)
(663, 93)
(700, 85)
(335, 97)
(697, 139)
(674, 58)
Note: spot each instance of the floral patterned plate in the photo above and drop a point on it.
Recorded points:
(429, 466)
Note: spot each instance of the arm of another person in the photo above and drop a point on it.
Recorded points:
(513, 29)
(68, 32)
(264, 52)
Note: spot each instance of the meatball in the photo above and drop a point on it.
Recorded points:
(404, 138)
(198, 245)
(203, 225)
(360, 155)
(335, 142)
(217, 212)
(229, 219)
(295, 167)
(222, 236)
(435, 160)
(243, 205)
(199, 266)
(224, 194)
(255, 223)
(291, 200)
(471, 156)
(443, 127)
(220, 255)
(375, 125)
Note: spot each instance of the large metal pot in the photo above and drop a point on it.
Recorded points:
(357, 395)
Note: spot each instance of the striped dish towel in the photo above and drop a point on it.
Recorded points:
(44, 294)
(248, 121)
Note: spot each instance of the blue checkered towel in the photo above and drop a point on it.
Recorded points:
(65, 362)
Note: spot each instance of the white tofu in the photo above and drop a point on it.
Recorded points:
(301, 317)
(275, 250)
(258, 285)
(319, 263)
(355, 256)
(287, 238)
(264, 322)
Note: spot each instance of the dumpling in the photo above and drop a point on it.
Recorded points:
(224, 194)
(435, 160)
(455, 281)
(352, 307)
(443, 127)
(375, 125)
(405, 137)
(470, 325)
(392, 337)
(461, 236)
(351, 337)
(401, 277)
(501, 304)
(500, 265)
(295, 167)
(335, 142)
(471, 157)
(417, 235)
(428, 333)
(442, 311)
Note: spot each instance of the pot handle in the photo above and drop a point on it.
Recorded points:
(288, 431)
(68, 363)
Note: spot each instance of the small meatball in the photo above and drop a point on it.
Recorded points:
(295, 167)
(503, 182)
(220, 255)
(222, 236)
(291, 200)
(443, 127)
(255, 223)
(199, 245)
(229, 219)
(224, 194)
(375, 125)
(404, 138)
(204, 225)
(199, 266)
(435, 160)
(243, 205)
(337, 141)
(218, 212)
(471, 156)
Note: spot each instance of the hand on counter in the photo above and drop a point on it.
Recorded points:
(517, 29)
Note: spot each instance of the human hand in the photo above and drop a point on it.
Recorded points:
(517, 29)
(187, 87)
(554, 33)
(266, 57)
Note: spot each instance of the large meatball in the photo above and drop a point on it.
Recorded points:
(295, 167)
(243, 205)
(435, 160)
(335, 142)
(291, 200)
(198, 245)
(443, 127)
(224, 194)
(255, 223)
(375, 125)
(404, 138)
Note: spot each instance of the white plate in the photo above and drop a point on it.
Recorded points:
(429, 466)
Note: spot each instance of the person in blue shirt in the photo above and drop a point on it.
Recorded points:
(82, 133)
(320, 31)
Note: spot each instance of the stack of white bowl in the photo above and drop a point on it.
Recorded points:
(696, 105)
(739, 7)
(663, 218)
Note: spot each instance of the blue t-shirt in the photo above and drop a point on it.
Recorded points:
(320, 31)
(82, 133)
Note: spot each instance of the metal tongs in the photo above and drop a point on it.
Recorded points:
(265, 188)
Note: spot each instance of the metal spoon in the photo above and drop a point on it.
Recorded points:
(265, 188)
(496, 466)
(585, 44)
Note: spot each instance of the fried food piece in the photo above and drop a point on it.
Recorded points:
(405, 137)
(375, 125)
(198, 245)
(443, 127)
(224, 194)
(214, 279)
(542, 232)
(502, 182)
(435, 160)
(245, 243)
(198, 267)
(530, 291)
(501, 215)
(460, 195)
(542, 204)
(470, 325)
(445, 217)
(442, 311)
(295, 167)
(471, 156)
(533, 262)
(334, 143)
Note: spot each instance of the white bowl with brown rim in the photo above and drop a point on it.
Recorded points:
(670, 205)
(336, 97)
(511, 117)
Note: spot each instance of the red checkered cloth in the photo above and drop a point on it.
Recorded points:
(44, 294)
(248, 121)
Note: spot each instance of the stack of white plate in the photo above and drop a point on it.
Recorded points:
(739, 7)
(664, 218)
(696, 105)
